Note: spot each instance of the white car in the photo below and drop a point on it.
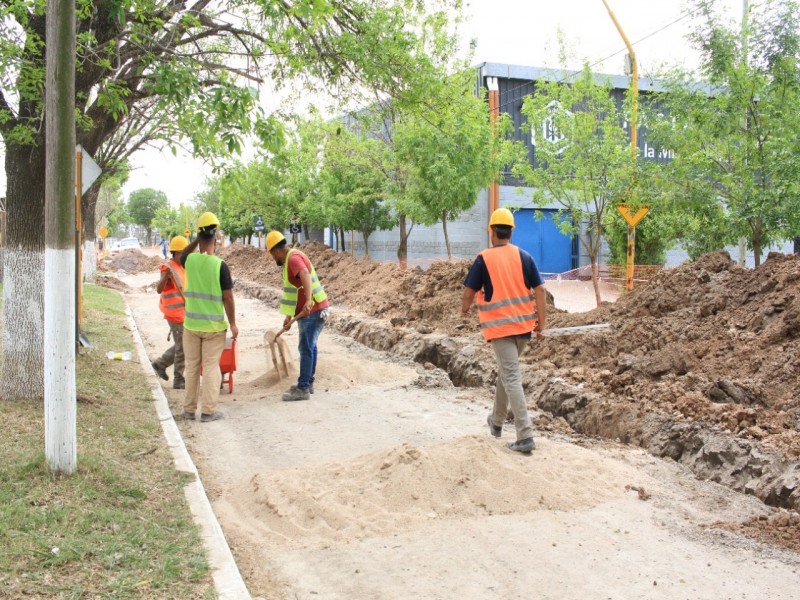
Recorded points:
(126, 244)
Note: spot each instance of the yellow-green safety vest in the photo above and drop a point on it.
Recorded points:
(205, 310)
(288, 305)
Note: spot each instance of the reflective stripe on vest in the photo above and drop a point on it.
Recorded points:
(205, 310)
(511, 309)
(288, 304)
(171, 300)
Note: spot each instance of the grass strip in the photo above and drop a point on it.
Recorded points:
(120, 526)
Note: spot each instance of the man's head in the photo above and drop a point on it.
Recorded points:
(501, 224)
(276, 246)
(207, 226)
(177, 244)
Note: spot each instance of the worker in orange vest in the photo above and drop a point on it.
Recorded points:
(171, 302)
(502, 277)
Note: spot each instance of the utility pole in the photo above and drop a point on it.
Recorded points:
(60, 403)
(632, 220)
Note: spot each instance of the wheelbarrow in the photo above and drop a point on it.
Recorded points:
(227, 363)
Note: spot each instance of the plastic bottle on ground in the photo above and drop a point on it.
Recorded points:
(118, 355)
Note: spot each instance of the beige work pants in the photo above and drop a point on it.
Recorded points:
(204, 349)
(509, 385)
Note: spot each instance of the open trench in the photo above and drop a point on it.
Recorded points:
(740, 464)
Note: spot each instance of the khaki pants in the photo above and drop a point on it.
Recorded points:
(174, 354)
(202, 349)
(509, 385)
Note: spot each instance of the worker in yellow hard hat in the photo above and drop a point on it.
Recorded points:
(305, 301)
(210, 311)
(502, 277)
(170, 301)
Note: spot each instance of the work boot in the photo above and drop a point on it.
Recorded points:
(296, 393)
(179, 384)
(310, 388)
(204, 418)
(160, 371)
(188, 416)
(494, 429)
(525, 446)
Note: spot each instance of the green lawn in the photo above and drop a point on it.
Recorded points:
(118, 528)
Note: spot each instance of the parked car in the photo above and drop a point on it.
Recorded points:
(126, 244)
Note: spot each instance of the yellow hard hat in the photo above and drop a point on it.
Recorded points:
(502, 216)
(273, 239)
(207, 219)
(178, 243)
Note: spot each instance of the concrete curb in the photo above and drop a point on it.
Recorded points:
(227, 578)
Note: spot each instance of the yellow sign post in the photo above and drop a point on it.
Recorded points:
(631, 220)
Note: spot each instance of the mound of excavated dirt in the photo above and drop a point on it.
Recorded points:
(700, 363)
(131, 261)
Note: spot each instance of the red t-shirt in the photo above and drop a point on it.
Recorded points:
(297, 262)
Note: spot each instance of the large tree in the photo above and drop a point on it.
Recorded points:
(583, 157)
(737, 153)
(187, 65)
(451, 151)
(143, 205)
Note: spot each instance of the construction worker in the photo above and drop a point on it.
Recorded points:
(170, 287)
(209, 300)
(305, 301)
(503, 276)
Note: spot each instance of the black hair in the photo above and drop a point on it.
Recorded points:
(280, 245)
(208, 233)
(503, 232)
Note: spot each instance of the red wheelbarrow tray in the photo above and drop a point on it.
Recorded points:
(227, 363)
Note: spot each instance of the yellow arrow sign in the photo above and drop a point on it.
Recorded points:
(632, 220)
(187, 233)
(103, 232)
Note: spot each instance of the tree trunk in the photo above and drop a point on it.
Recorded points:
(23, 264)
(757, 241)
(365, 235)
(89, 233)
(797, 245)
(402, 248)
(340, 235)
(596, 281)
(446, 238)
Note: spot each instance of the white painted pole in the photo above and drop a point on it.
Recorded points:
(60, 403)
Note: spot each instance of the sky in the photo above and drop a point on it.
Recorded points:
(519, 32)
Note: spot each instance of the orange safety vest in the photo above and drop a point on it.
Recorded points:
(511, 309)
(171, 301)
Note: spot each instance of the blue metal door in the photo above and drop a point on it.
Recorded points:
(551, 249)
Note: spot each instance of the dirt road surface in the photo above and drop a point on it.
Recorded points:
(386, 485)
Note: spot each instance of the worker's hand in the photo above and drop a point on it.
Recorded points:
(464, 313)
(234, 331)
(287, 323)
(539, 329)
(308, 307)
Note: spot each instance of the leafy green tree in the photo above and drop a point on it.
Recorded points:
(168, 222)
(583, 157)
(192, 68)
(143, 205)
(450, 151)
(735, 137)
(353, 183)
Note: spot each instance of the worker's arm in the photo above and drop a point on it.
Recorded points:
(230, 311)
(466, 300)
(305, 279)
(541, 309)
(166, 274)
(189, 249)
